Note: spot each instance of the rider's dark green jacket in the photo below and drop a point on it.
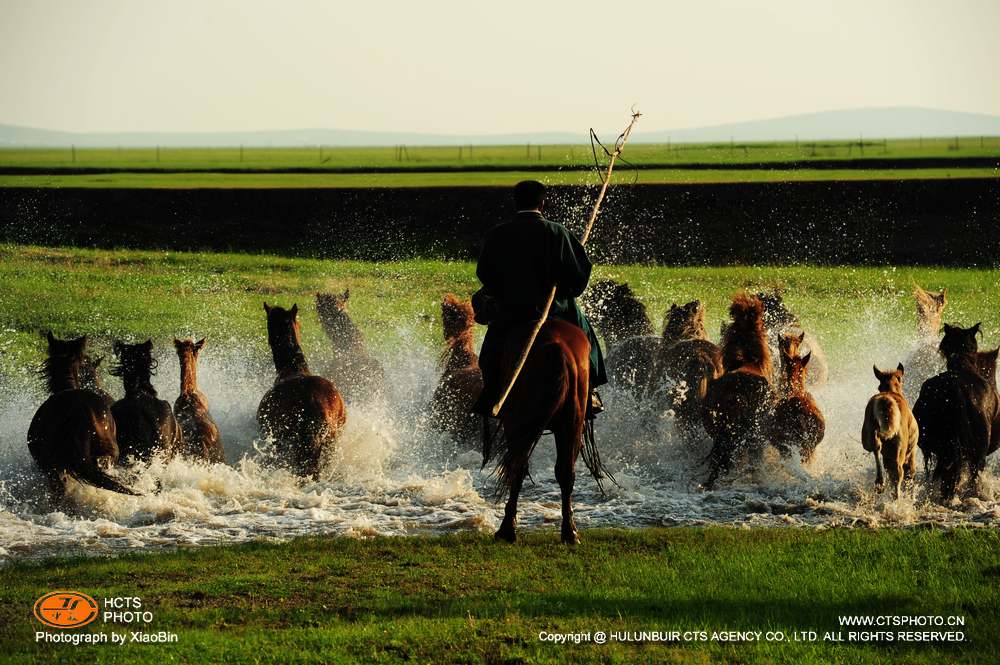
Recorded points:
(520, 261)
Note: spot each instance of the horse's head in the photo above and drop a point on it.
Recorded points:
(789, 343)
(332, 309)
(930, 306)
(959, 341)
(188, 349)
(283, 328)
(70, 349)
(747, 311)
(457, 317)
(776, 313)
(986, 363)
(793, 368)
(134, 359)
(891, 381)
(685, 322)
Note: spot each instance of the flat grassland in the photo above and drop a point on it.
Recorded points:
(424, 166)
(139, 294)
(464, 599)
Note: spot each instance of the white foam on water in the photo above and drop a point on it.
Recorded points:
(393, 475)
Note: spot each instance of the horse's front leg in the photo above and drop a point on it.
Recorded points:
(566, 453)
(507, 532)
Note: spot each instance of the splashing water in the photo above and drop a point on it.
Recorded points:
(393, 475)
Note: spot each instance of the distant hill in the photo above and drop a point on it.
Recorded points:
(875, 123)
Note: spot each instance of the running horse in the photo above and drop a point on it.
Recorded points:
(73, 433)
(550, 394)
(303, 413)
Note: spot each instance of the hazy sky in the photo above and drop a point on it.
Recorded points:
(483, 67)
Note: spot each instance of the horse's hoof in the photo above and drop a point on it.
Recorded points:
(505, 536)
(572, 538)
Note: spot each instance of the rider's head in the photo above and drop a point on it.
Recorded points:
(529, 195)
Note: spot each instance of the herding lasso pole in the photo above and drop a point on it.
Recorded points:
(619, 146)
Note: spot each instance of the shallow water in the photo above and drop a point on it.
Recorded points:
(392, 475)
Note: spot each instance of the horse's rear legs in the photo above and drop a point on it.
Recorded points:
(566, 476)
(507, 532)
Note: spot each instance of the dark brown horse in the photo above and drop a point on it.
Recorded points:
(550, 394)
(797, 422)
(73, 433)
(303, 414)
(956, 411)
(620, 317)
(690, 361)
(739, 404)
(201, 435)
(461, 381)
(146, 424)
(354, 370)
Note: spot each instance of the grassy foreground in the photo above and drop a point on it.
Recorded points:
(463, 599)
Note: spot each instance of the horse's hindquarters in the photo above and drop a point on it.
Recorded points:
(304, 417)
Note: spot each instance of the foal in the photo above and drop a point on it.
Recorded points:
(891, 431)
(73, 433)
(462, 381)
(303, 413)
(146, 424)
(201, 435)
(797, 421)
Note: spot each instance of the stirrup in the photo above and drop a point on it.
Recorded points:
(595, 405)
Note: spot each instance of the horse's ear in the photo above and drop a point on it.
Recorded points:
(177, 343)
(948, 328)
(899, 368)
(50, 337)
(267, 307)
(805, 358)
(347, 294)
(294, 310)
(148, 344)
(977, 329)
(199, 344)
(878, 373)
(802, 337)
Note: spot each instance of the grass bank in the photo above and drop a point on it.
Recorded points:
(139, 294)
(470, 178)
(463, 599)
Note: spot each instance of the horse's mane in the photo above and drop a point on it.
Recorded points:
(61, 372)
(684, 322)
(617, 311)
(457, 319)
(136, 367)
(744, 343)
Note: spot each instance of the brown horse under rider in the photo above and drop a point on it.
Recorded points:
(520, 262)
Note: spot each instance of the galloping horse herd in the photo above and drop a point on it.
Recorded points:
(749, 391)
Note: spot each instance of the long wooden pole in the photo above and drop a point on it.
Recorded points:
(619, 146)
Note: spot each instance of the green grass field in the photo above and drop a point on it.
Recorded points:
(464, 599)
(111, 294)
(470, 178)
(507, 157)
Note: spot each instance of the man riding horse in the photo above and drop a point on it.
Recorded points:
(520, 261)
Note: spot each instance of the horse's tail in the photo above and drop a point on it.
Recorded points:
(98, 478)
(543, 389)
